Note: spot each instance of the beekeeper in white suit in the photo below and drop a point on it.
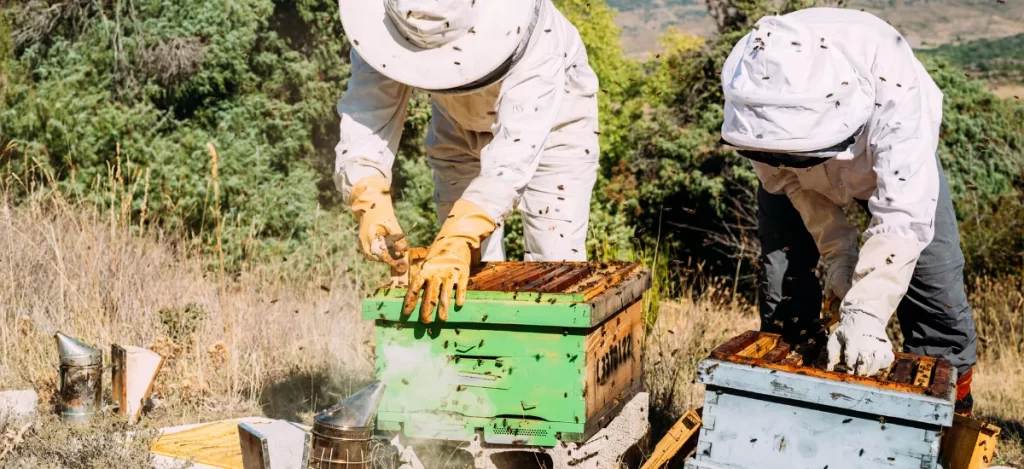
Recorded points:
(514, 118)
(832, 107)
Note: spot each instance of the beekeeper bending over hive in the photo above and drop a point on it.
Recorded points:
(832, 107)
(513, 118)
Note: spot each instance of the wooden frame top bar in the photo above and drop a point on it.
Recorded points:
(908, 373)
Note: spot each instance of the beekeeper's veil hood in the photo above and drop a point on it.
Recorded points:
(439, 44)
(790, 90)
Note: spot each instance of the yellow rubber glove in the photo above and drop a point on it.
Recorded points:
(448, 260)
(378, 226)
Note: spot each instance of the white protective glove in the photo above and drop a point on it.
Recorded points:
(860, 343)
(881, 279)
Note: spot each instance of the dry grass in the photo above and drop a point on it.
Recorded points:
(685, 333)
(266, 340)
(999, 378)
(48, 444)
(283, 342)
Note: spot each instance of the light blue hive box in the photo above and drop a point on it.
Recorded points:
(764, 410)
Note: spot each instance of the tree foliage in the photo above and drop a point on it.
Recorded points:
(994, 60)
(134, 90)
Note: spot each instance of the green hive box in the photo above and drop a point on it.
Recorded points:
(540, 353)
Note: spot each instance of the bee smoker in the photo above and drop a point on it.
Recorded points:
(81, 379)
(341, 434)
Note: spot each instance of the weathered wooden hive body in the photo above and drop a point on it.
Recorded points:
(765, 409)
(539, 353)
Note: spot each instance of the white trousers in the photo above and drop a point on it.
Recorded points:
(555, 205)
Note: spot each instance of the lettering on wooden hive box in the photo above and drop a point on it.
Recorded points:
(770, 404)
(541, 352)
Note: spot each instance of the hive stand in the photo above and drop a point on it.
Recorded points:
(603, 451)
(768, 407)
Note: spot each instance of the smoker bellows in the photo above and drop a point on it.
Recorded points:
(540, 352)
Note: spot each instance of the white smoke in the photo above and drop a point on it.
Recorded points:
(42, 323)
(434, 377)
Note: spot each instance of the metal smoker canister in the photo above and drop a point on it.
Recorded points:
(81, 379)
(341, 434)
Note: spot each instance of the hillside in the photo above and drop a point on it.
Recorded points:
(994, 60)
(925, 23)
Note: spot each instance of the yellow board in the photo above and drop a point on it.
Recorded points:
(214, 444)
(969, 444)
(679, 435)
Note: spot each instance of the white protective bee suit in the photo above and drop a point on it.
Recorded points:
(834, 108)
(513, 112)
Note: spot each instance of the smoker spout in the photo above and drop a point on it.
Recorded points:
(73, 352)
(357, 410)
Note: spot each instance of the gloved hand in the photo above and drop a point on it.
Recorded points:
(446, 266)
(839, 276)
(860, 343)
(371, 204)
(838, 280)
(882, 275)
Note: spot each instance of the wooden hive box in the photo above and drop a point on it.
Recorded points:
(766, 408)
(540, 353)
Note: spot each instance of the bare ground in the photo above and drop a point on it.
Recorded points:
(924, 23)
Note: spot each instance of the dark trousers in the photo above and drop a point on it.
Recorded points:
(934, 315)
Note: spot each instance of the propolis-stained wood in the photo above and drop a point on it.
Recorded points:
(542, 352)
(908, 373)
(566, 294)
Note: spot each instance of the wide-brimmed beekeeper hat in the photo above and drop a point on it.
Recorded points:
(438, 44)
(789, 89)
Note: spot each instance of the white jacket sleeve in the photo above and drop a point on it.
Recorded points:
(904, 139)
(372, 114)
(835, 238)
(528, 103)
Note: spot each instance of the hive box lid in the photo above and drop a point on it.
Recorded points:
(915, 388)
(554, 294)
